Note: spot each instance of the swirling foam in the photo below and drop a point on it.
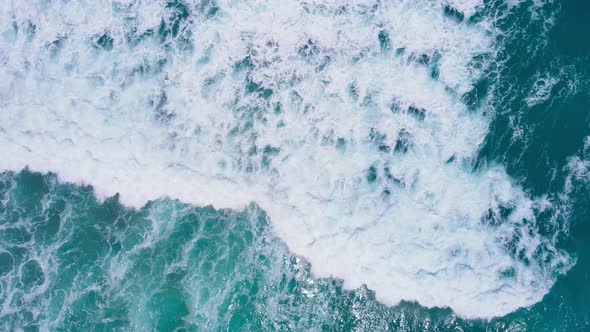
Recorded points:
(342, 119)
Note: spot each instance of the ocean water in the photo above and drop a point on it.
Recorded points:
(298, 165)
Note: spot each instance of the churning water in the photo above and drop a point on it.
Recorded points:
(294, 165)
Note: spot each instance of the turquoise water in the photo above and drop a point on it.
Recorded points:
(113, 152)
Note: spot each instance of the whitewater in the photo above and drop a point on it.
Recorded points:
(355, 125)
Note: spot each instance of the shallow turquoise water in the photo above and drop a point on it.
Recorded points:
(106, 267)
(70, 262)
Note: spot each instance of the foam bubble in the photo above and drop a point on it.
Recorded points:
(342, 120)
(541, 90)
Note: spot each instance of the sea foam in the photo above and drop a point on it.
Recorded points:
(343, 120)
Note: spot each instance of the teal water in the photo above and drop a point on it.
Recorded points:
(72, 262)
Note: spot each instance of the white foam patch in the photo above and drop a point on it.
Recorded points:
(467, 7)
(578, 167)
(541, 90)
(360, 158)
